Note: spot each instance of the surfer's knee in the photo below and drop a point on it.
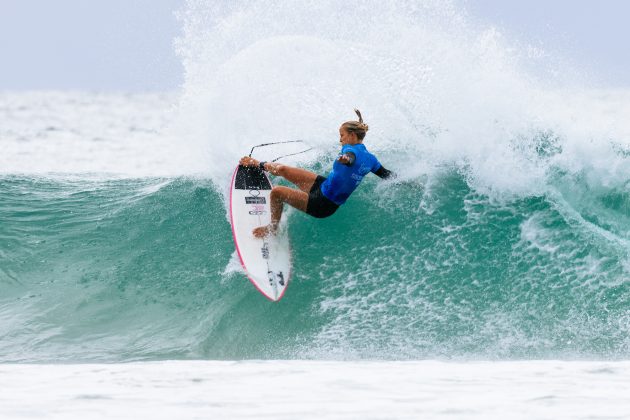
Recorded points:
(278, 193)
(281, 194)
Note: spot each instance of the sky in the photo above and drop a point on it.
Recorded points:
(591, 34)
(127, 45)
(103, 45)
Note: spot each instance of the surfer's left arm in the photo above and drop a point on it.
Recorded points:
(383, 173)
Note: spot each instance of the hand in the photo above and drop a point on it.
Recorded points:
(344, 159)
(248, 161)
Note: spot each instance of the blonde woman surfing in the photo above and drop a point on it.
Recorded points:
(318, 196)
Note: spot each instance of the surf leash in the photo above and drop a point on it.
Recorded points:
(281, 142)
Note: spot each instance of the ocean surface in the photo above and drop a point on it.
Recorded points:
(494, 269)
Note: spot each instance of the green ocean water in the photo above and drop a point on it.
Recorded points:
(144, 269)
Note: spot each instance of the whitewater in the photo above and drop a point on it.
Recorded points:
(490, 279)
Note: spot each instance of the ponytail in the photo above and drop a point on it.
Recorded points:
(357, 127)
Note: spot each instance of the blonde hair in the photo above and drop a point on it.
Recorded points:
(357, 127)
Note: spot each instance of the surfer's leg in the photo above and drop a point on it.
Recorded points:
(302, 178)
(279, 196)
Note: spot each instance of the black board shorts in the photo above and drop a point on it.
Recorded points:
(318, 204)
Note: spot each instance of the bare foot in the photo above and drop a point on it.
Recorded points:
(262, 231)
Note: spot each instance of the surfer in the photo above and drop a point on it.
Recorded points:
(318, 196)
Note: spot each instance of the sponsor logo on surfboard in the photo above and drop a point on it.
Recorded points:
(276, 277)
(265, 251)
(258, 210)
(255, 200)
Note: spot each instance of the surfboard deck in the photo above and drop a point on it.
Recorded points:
(267, 261)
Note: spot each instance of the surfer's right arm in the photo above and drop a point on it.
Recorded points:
(271, 167)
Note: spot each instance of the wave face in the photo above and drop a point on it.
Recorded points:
(505, 235)
(143, 269)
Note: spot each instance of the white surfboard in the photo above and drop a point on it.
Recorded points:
(266, 261)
